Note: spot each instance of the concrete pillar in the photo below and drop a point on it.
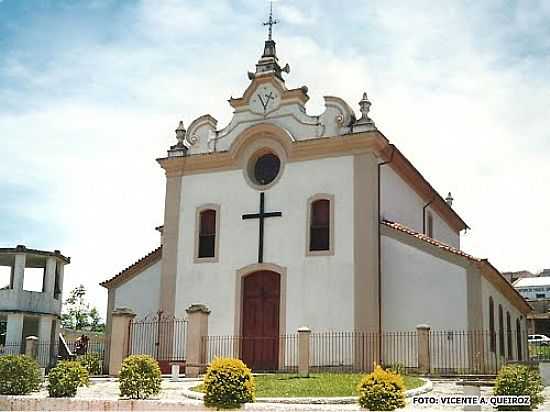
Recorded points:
(304, 334)
(120, 338)
(423, 343)
(14, 332)
(175, 373)
(19, 269)
(31, 346)
(197, 329)
(49, 277)
(45, 329)
(61, 274)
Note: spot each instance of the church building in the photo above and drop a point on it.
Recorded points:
(282, 219)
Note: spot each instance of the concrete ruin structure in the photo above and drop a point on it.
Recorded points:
(34, 312)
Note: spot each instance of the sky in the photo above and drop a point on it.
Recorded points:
(91, 92)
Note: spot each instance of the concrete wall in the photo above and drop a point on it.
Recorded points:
(26, 301)
(319, 289)
(418, 287)
(141, 293)
(400, 203)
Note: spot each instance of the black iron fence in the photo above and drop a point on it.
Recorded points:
(539, 351)
(360, 351)
(266, 354)
(446, 353)
(48, 354)
(161, 337)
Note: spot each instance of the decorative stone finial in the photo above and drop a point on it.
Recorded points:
(180, 134)
(449, 199)
(365, 105)
(179, 149)
(365, 123)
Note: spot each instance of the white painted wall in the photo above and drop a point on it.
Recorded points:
(487, 290)
(416, 286)
(319, 289)
(400, 203)
(141, 293)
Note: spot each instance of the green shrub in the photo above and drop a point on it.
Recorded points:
(92, 363)
(139, 377)
(381, 390)
(19, 375)
(519, 380)
(228, 384)
(66, 378)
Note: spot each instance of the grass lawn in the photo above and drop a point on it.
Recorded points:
(321, 384)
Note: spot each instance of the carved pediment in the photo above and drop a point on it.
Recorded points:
(267, 100)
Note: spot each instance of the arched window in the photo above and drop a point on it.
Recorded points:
(500, 331)
(518, 339)
(320, 225)
(509, 332)
(207, 234)
(492, 337)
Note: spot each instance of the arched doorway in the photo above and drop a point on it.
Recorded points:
(260, 320)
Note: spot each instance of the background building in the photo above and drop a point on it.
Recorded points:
(536, 290)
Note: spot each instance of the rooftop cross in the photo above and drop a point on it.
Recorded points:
(270, 22)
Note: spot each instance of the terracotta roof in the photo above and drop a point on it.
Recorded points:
(486, 268)
(133, 269)
(427, 239)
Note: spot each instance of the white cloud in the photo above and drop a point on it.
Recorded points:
(89, 125)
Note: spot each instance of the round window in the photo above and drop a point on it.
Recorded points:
(266, 168)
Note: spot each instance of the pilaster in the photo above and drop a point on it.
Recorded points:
(14, 332)
(19, 270)
(49, 278)
(170, 247)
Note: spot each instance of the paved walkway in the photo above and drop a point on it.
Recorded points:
(107, 389)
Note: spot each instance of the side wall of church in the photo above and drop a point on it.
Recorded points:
(488, 290)
(318, 290)
(141, 293)
(400, 203)
(419, 288)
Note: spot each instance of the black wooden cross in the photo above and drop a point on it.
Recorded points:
(261, 216)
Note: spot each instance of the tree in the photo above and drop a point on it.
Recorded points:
(78, 314)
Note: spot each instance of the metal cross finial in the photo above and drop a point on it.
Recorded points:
(270, 22)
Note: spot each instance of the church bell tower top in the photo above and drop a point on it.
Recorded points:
(269, 63)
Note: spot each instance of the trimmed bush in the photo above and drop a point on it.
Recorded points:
(66, 378)
(228, 384)
(139, 377)
(92, 363)
(382, 390)
(19, 375)
(519, 380)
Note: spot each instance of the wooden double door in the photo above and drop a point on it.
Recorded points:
(260, 320)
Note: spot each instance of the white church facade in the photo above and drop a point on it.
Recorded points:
(283, 219)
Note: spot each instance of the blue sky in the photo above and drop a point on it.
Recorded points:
(91, 91)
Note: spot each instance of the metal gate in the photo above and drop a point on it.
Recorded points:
(160, 336)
